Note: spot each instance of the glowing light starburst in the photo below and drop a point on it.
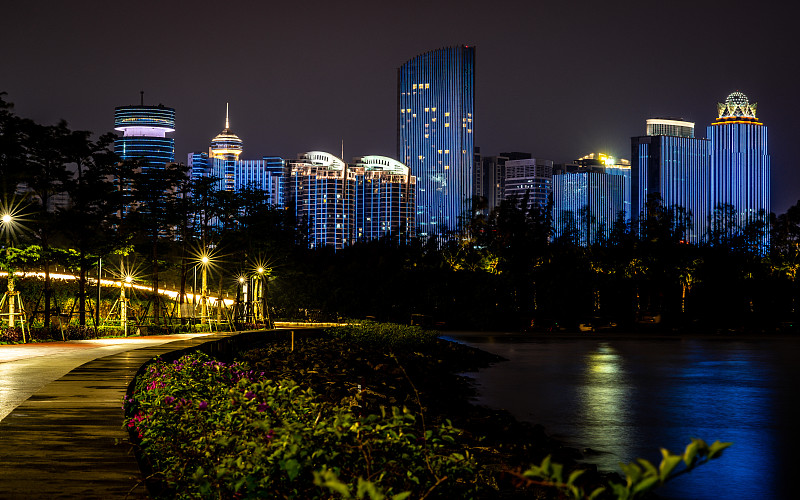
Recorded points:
(13, 219)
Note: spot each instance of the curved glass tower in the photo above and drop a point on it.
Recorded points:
(145, 130)
(227, 147)
(435, 124)
(740, 163)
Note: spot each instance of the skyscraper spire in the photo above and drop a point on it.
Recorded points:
(227, 123)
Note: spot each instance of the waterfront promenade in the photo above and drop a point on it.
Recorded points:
(61, 432)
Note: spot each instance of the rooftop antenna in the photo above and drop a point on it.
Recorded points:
(342, 150)
(141, 96)
(227, 123)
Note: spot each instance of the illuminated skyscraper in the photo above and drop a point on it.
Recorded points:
(226, 146)
(341, 203)
(319, 192)
(145, 130)
(529, 179)
(589, 196)
(740, 165)
(435, 124)
(384, 199)
(675, 167)
(266, 174)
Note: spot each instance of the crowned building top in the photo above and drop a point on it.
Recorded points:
(736, 108)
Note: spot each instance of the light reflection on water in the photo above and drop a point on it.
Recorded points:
(625, 398)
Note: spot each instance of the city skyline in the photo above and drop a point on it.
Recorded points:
(557, 81)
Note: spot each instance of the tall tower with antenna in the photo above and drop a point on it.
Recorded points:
(226, 148)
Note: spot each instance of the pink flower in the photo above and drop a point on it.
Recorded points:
(203, 405)
(250, 394)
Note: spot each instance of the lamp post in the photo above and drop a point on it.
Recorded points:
(123, 304)
(11, 294)
(264, 274)
(241, 296)
(204, 290)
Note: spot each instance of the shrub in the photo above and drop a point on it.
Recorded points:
(211, 429)
(391, 335)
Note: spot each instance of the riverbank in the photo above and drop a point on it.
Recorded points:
(366, 378)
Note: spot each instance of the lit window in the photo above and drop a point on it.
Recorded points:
(447, 151)
(414, 86)
(433, 109)
(402, 110)
(408, 110)
(427, 109)
(447, 167)
(427, 85)
(440, 151)
(447, 113)
(414, 115)
(426, 135)
(433, 119)
(427, 125)
(446, 125)
(469, 130)
(420, 157)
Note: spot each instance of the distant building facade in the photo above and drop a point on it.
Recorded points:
(529, 179)
(144, 138)
(384, 199)
(340, 204)
(740, 162)
(671, 163)
(730, 168)
(589, 196)
(320, 188)
(435, 127)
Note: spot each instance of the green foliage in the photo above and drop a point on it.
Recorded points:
(641, 476)
(12, 258)
(386, 334)
(211, 429)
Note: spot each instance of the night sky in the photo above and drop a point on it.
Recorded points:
(558, 79)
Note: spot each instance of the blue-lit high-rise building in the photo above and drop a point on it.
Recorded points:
(383, 199)
(435, 128)
(675, 165)
(266, 174)
(145, 130)
(740, 165)
(342, 203)
(589, 196)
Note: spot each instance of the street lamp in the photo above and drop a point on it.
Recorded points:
(11, 295)
(204, 260)
(264, 274)
(241, 298)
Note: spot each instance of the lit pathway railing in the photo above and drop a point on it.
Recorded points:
(172, 294)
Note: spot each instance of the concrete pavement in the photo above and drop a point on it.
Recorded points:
(26, 368)
(62, 435)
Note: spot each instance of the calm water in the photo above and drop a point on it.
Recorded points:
(627, 397)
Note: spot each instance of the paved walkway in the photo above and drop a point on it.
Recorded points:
(61, 433)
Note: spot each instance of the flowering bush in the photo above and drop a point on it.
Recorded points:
(210, 429)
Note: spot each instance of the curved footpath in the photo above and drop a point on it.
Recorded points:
(61, 433)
